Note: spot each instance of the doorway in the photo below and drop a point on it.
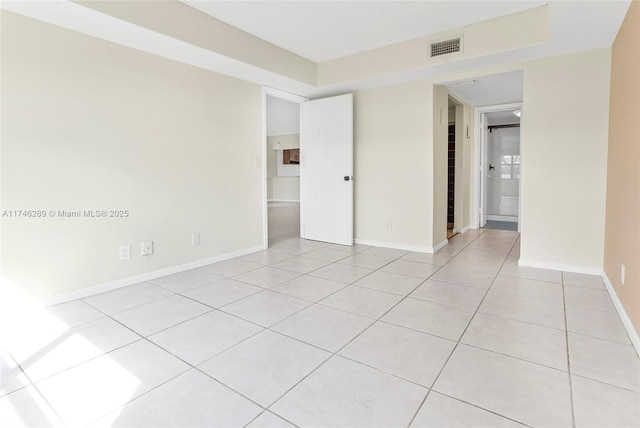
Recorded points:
(454, 168)
(500, 167)
(281, 165)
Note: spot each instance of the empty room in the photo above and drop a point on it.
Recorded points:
(319, 213)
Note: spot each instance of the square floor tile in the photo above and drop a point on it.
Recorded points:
(296, 245)
(588, 298)
(532, 273)
(606, 361)
(73, 313)
(341, 273)
(441, 411)
(583, 280)
(190, 400)
(599, 405)
(269, 420)
(265, 366)
(12, 377)
(221, 293)
(156, 316)
(362, 301)
(409, 354)
(385, 252)
(186, 280)
(390, 282)
(301, 264)
(327, 255)
(433, 318)
(324, 327)
(202, 337)
(309, 288)
(464, 277)
(231, 267)
(437, 259)
(460, 296)
(89, 391)
(548, 291)
(488, 268)
(266, 308)
(530, 342)
(523, 308)
(127, 297)
(529, 393)
(366, 261)
(596, 323)
(47, 355)
(347, 394)
(26, 408)
(403, 267)
(266, 277)
(352, 249)
(268, 257)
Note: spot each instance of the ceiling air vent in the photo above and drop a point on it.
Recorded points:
(445, 47)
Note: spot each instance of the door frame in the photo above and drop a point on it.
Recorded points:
(480, 149)
(261, 161)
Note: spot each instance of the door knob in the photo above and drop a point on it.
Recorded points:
(347, 178)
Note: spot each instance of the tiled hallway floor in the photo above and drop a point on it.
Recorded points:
(310, 334)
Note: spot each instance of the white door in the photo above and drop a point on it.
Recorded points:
(326, 170)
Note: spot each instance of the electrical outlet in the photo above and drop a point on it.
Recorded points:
(125, 252)
(622, 273)
(389, 225)
(147, 248)
(195, 239)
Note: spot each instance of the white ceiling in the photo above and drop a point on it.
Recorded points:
(326, 30)
(503, 88)
(329, 29)
(502, 118)
(283, 117)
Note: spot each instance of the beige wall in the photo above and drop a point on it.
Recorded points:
(87, 124)
(281, 188)
(564, 160)
(501, 34)
(564, 143)
(622, 232)
(440, 163)
(188, 24)
(393, 157)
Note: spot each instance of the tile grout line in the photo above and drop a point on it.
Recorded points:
(461, 336)
(334, 354)
(566, 332)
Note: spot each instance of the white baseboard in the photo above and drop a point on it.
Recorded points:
(466, 228)
(558, 266)
(415, 248)
(439, 246)
(114, 285)
(626, 321)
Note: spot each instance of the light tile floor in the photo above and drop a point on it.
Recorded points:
(313, 334)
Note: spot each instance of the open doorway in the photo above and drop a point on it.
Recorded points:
(501, 162)
(282, 154)
(454, 168)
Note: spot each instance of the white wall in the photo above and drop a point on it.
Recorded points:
(564, 141)
(88, 124)
(393, 157)
(564, 154)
